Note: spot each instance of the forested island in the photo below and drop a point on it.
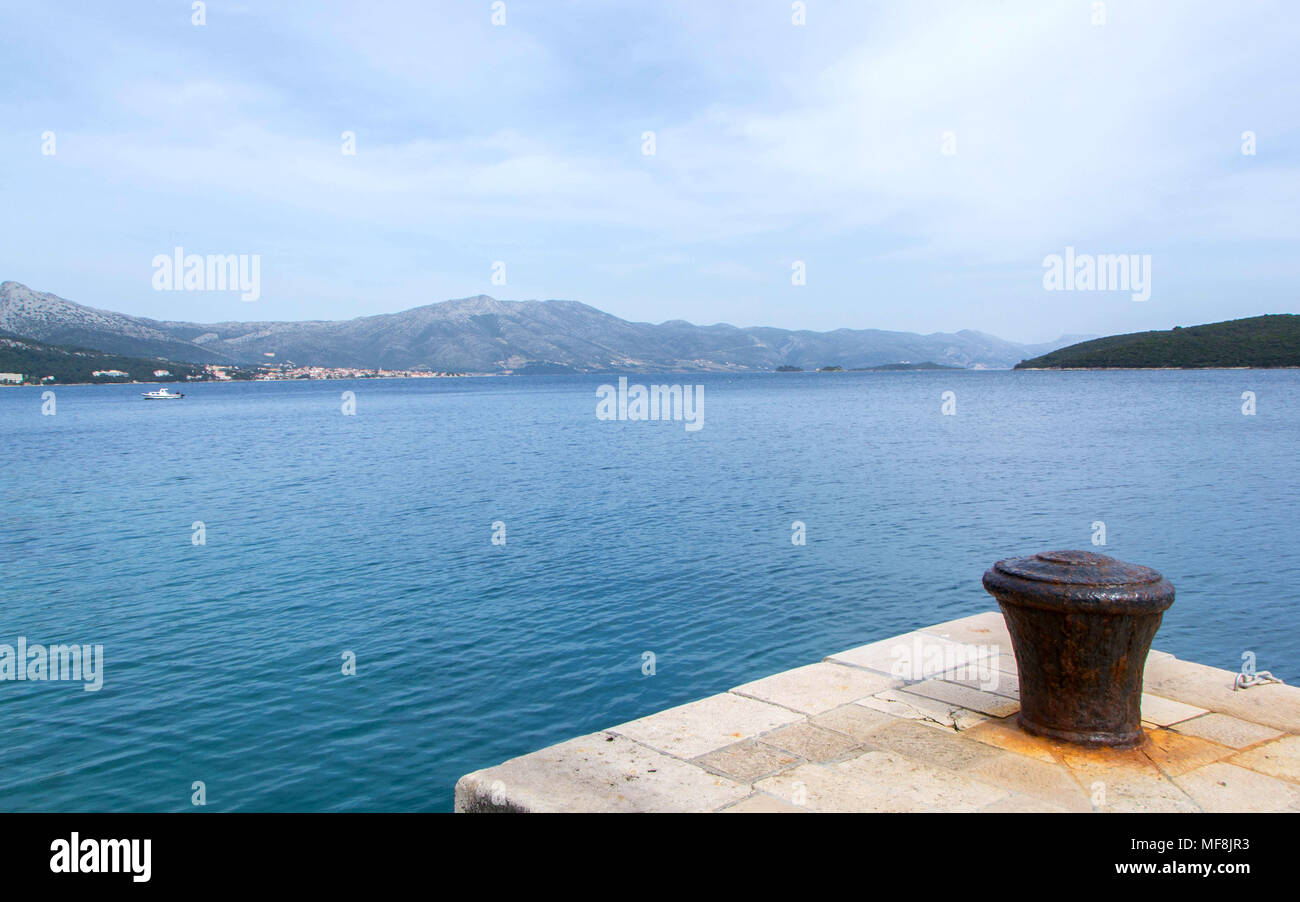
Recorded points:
(1258, 341)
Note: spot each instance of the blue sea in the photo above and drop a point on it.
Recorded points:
(326, 534)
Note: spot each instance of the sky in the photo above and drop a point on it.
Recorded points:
(917, 161)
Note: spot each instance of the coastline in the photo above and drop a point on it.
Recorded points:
(1100, 369)
(603, 373)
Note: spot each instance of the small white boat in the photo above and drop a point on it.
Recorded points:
(161, 394)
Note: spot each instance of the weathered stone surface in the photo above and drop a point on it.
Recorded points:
(941, 748)
(999, 682)
(1227, 787)
(1004, 734)
(1018, 804)
(1277, 759)
(843, 735)
(695, 729)
(879, 781)
(1272, 704)
(1226, 730)
(1165, 711)
(1175, 753)
(746, 761)
(966, 697)
(897, 703)
(810, 742)
(599, 772)
(816, 687)
(762, 803)
(1123, 780)
(913, 656)
(1004, 662)
(912, 785)
(987, 628)
(1040, 781)
(821, 787)
(854, 721)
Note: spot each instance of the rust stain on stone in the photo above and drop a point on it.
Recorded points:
(1176, 753)
(1004, 735)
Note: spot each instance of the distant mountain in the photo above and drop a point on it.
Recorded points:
(1259, 341)
(49, 318)
(37, 361)
(484, 335)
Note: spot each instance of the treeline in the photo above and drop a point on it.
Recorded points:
(1259, 341)
(36, 360)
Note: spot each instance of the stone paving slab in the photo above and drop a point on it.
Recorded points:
(1006, 735)
(1226, 730)
(820, 787)
(854, 721)
(762, 803)
(810, 741)
(689, 731)
(817, 687)
(943, 748)
(1272, 704)
(1277, 759)
(1124, 780)
(1033, 779)
(1018, 804)
(1229, 788)
(999, 682)
(1164, 712)
(969, 698)
(912, 724)
(747, 761)
(897, 703)
(1176, 754)
(913, 656)
(913, 785)
(981, 629)
(600, 772)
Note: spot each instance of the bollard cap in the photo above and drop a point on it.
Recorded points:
(1079, 581)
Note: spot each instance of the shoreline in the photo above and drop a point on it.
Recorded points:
(606, 373)
(1139, 369)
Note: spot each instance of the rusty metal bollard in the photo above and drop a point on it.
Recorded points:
(1081, 624)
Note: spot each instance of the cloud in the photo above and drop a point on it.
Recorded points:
(773, 143)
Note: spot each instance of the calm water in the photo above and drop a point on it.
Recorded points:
(371, 533)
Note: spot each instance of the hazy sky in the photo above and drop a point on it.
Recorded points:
(774, 143)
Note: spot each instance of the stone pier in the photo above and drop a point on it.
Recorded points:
(925, 721)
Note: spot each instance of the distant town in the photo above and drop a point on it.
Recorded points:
(281, 372)
(221, 373)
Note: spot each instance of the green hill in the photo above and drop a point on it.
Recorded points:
(36, 360)
(1259, 341)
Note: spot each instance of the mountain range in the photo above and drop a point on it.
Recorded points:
(485, 335)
